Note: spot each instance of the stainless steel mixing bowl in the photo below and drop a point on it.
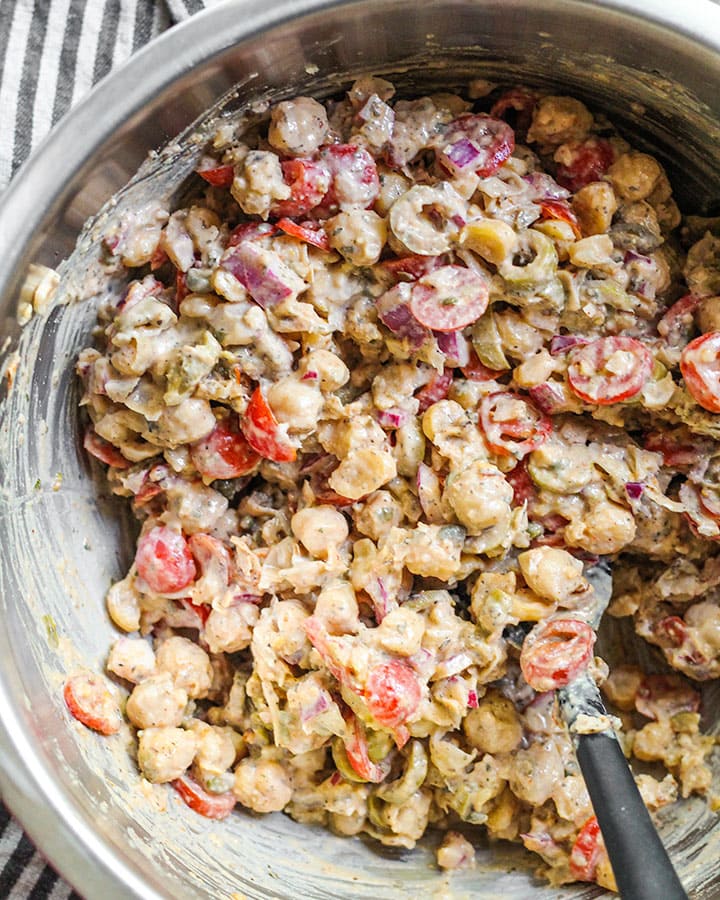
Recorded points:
(653, 65)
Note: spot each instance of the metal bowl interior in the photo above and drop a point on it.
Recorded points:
(654, 70)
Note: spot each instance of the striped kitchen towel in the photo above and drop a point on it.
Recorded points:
(51, 53)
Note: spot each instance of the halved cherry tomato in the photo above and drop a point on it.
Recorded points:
(164, 560)
(392, 693)
(104, 450)
(524, 490)
(678, 322)
(521, 101)
(201, 610)
(309, 232)
(663, 696)
(590, 160)
(308, 181)
(476, 371)
(512, 425)
(353, 176)
(555, 652)
(493, 137)
(449, 298)
(251, 231)
(700, 367)
(559, 209)
(181, 290)
(679, 446)
(410, 267)
(220, 176)
(212, 806)
(326, 646)
(436, 389)
(262, 431)
(158, 259)
(225, 452)
(586, 852)
(356, 748)
(609, 370)
(89, 700)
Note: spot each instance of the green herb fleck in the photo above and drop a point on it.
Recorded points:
(51, 631)
(38, 485)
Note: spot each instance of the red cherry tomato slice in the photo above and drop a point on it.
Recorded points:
(589, 160)
(251, 231)
(392, 693)
(220, 176)
(449, 298)
(104, 450)
(353, 176)
(356, 748)
(586, 852)
(609, 370)
(164, 560)
(700, 367)
(211, 806)
(308, 181)
(224, 453)
(524, 490)
(308, 232)
(435, 390)
(663, 696)
(409, 268)
(89, 700)
(558, 209)
(512, 425)
(555, 652)
(493, 137)
(521, 101)
(263, 433)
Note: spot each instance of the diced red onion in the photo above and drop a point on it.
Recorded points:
(321, 705)
(393, 417)
(247, 263)
(458, 221)
(634, 489)
(460, 156)
(310, 375)
(634, 256)
(472, 700)
(394, 312)
(547, 397)
(455, 346)
(545, 187)
(561, 343)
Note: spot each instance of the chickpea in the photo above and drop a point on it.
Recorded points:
(337, 606)
(622, 686)
(216, 749)
(188, 664)
(156, 702)
(331, 370)
(494, 726)
(559, 119)
(552, 573)
(595, 205)
(298, 127)
(318, 528)
(606, 528)
(262, 785)
(634, 175)
(229, 630)
(379, 513)
(480, 496)
(363, 471)
(296, 403)
(401, 632)
(359, 235)
(132, 659)
(164, 754)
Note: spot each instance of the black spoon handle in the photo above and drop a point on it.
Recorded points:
(642, 868)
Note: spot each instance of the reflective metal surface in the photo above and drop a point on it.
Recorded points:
(653, 66)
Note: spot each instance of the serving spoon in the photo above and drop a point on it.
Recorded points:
(640, 863)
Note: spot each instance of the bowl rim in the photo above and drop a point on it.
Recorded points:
(44, 809)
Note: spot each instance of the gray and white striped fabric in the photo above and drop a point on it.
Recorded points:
(51, 53)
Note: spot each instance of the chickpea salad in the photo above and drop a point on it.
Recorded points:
(379, 396)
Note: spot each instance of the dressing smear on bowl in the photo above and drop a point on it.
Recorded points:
(377, 394)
